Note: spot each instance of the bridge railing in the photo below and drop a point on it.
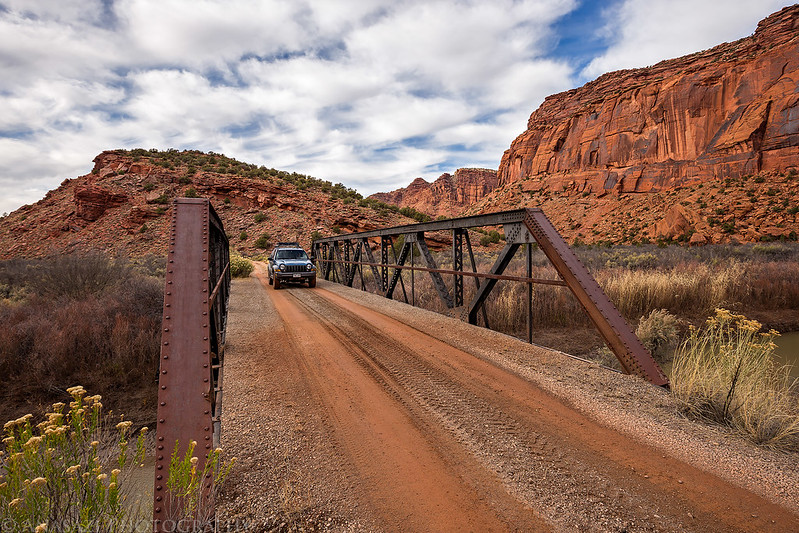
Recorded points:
(343, 257)
(196, 296)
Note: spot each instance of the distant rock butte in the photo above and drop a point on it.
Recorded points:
(726, 112)
(448, 195)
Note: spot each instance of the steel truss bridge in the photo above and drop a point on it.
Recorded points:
(341, 258)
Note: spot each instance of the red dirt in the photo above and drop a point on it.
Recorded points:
(432, 438)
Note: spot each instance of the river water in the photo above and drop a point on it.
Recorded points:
(787, 350)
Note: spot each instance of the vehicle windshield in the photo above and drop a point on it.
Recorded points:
(291, 254)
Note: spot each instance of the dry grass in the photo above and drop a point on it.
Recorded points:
(725, 373)
(687, 282)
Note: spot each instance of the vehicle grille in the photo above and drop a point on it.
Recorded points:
(295, 268)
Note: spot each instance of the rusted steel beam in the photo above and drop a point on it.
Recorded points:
(498, 268)
(403, 255)
(192, 345)
(438, 281)
(631, 353)
(473, 274)
(457, 265)
(375, 272)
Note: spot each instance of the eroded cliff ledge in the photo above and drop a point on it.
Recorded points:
(726, 112)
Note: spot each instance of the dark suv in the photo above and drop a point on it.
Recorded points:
(288, 262)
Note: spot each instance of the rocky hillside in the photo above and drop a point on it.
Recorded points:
(449, 195)
(123, 205)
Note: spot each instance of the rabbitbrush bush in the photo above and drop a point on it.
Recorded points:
(239, 266)
(726, 373)
(70, 474)
(59, 475)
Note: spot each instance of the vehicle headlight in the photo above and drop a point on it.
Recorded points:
(282, 267)
(309, 266)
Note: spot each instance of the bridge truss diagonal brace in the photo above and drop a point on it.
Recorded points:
(484, 290)
(403, 255)
(438, 280)
(612, 326)
(375, 272)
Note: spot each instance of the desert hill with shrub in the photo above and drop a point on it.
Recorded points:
(702, 149)
(123, 206)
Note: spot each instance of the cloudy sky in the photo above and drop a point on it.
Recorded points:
(371, 93)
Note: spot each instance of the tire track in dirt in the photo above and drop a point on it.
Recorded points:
(547, 454)
(414, 482)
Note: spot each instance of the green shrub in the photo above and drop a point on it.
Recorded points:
(726, 373)
(243, 236)
(163, 199)
(148, 186)
(263, 241)
(191, 193)
(259, 217)
(239, 266)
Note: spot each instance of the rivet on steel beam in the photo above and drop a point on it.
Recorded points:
(157, 509)
(166, 343)
(205, 380)
(163, 403)
(161, 420)
(163, 371)
(205, 338)
(166, 357)
(160, 457)
(163, 387)
(206, 412)
(158, 498)
(166, 329)
(160, 467)
(207, 446)
(206, 428)
(167, 305)
(159, 477)
(207, 437)
(205, 365)
(205, 351)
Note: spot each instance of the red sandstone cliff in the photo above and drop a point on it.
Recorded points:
(726, 112)
(449, 195)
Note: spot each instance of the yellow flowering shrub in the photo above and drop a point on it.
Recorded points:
(726, 373)
(53, 475)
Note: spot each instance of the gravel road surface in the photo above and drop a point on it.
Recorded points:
(350, 412)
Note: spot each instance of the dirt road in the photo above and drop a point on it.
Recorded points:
(345, 418)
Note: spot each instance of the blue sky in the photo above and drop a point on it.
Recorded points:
(370, 93)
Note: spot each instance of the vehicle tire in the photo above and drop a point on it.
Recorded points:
(312, 282)
(277, 283)
(270, 280)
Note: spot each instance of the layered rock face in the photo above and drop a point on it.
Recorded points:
(449, 195)
(726, 112)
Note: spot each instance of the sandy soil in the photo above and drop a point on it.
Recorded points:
(349, 412)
